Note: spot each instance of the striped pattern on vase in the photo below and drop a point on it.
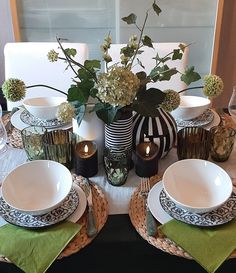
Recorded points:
(119, 134)
(161, 130)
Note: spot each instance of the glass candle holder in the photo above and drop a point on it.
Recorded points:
(58, 145)
(222, 142)
(32, 137)
(193, 142)
(117, 165)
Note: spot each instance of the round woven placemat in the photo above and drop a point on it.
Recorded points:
(14, 135)
(81, 239)
(137, 213)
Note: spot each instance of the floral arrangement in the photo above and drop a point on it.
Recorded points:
(118, 89)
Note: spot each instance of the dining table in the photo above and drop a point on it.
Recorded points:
(119, 246)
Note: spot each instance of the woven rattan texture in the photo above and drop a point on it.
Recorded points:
(137, 215)
(14, 135)
(81, 239)
(101, 213)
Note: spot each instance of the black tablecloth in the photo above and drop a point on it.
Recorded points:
(118, 248)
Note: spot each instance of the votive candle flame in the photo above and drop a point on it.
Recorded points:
(147, 150)
(86, 149)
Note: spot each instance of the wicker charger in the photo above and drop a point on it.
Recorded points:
(81, 239)
(137, 213)
(14, 135)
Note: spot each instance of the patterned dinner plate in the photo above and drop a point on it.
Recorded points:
(55, 216)
(206, 117)
(29, 119)
(219, 216)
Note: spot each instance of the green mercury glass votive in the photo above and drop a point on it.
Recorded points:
(117, 165)
(32, 141)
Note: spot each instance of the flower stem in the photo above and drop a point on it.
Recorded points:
(191, 88)
(43, 85)
(140, 39)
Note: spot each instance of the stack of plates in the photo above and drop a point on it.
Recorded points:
(164, 209)
(22, 118)
(72, 208)
(208, 119)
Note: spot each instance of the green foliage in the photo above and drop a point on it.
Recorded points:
(190, 76)
(147, 101)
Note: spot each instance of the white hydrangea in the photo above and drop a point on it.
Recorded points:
(118, 86)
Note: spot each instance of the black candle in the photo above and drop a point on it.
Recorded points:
(146, 159)
(86, 158)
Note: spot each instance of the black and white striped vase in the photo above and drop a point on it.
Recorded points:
(161, 130)
(118, 135)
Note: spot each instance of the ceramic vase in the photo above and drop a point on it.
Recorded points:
(118, 135)
(91, 128)
(161, 130)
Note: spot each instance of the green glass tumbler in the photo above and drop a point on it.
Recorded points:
(222, 142)
(32, 137)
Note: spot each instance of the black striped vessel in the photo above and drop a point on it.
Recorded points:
(161, 130)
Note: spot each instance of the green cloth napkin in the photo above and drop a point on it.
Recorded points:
(34, 250)
(210, 246)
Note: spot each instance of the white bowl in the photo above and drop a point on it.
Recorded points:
(197, 185)
(43, 107)
(191, 107)
(37, 187)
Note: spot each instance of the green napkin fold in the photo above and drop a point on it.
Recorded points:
(34, 250)
(210, 246)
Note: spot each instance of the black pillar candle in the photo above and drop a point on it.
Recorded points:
(86, 159)
(146, 159)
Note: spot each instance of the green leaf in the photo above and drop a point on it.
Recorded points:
(141, 75)
(92, 64)
(152, 96)
(190, 76)
(80, 112)
(127, 51)
(70, 52)
(143, 110)
(83, 74)
(156, 8)
(130, 19)
(177, 55)
(147, 41)
(93, 92)
(108, 114)
(163, 73)
(148, 101)
(140, 63)
(80, 92)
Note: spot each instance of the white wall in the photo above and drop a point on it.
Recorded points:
(6, 33)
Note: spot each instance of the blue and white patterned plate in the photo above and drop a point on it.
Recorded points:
(55, 216)
(205, 118)
(29, 119)
(216, 217)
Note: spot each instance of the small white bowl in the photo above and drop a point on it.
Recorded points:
(191, 107)
(43, 107)
(197, 185)
(37, 187)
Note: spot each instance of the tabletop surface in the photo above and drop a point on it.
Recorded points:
(118, 247)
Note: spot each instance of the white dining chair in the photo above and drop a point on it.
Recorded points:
(28, 61)
(148, 62)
